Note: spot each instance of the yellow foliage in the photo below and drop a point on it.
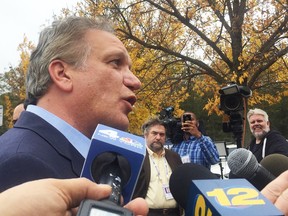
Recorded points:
(187, 48)
(7, 112)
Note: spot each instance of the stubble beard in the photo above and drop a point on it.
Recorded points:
(260, 135)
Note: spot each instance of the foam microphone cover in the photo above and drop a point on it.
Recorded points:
(244, 164)
(181, 180)
(110, 161)
(275, 163)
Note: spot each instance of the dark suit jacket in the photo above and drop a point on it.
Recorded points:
(34, 149)
(142, 185)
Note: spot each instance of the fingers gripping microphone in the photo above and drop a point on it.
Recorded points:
(244, 164)
(275, 163)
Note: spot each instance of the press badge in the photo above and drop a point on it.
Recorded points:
(167, 192)
(185, 159)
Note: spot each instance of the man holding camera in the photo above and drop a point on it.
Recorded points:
(195, 147)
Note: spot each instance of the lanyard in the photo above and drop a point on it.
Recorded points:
(157, 169)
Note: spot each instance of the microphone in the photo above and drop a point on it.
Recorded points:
(275, 163)
(115, 157)
(112, 169)
(201, 192)
(244, 164)
(181, 178)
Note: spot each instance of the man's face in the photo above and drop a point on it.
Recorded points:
(155, 138)
(258, 126)
(105, 86)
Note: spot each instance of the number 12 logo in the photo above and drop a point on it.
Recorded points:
(240, 196)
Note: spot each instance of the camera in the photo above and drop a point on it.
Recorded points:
(187, 117)
(232, 103)
(231, 97)
(173, 125)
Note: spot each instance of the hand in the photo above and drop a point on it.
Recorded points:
(277, 192)
(191, 128)
(57, 197)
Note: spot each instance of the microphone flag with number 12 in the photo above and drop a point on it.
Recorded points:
(233, 197)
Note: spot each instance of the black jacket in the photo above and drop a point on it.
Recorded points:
(142, 185)
(275, 143)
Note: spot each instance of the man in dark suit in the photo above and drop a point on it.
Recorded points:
(159, 162)
(68, 88)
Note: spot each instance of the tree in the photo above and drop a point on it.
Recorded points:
(188, 46)
(12, 84)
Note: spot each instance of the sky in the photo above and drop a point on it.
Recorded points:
(24, 17)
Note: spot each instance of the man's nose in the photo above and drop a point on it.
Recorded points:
(131, 81)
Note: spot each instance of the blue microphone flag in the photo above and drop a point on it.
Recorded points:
(131, 147)
(237, 197)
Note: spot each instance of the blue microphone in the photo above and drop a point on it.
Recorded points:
(115, 157)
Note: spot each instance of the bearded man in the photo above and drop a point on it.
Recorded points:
(265, 141)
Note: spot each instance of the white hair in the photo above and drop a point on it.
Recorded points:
(257, 111)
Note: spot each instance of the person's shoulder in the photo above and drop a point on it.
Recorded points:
(21, 167)
(275, 134)
(15, 137)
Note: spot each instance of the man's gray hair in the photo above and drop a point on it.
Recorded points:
(63, 40)
(152, 122)
(257, 111)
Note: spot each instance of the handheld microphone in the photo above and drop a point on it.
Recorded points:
(244, 164)
(200, 192)
(112, 169)
(275, 163)
(115, 158)
(181, 178)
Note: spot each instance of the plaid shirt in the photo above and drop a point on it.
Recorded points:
(200, 150)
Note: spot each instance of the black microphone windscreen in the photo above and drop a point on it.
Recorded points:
(242, 162)
(275, 163)
(181, 179)
(106, 161)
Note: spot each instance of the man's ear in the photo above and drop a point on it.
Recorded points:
(60, 74)
(268, 123)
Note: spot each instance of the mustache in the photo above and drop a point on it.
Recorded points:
(158, 142)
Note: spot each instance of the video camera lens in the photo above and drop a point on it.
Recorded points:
(231, 102)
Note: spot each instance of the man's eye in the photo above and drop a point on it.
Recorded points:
(116, 62)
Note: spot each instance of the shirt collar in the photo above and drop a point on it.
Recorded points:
(151, 153)
(75, 137)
